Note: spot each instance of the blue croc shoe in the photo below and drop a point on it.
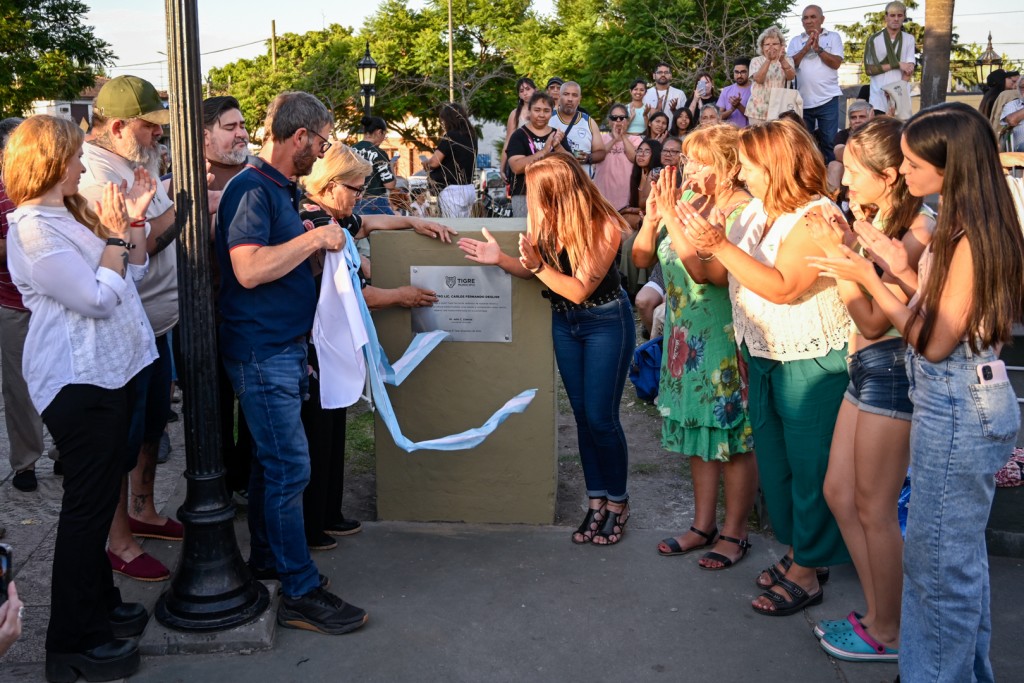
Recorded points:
(855, 645)
(830, 625)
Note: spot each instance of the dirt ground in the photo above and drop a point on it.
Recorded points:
(661, 494)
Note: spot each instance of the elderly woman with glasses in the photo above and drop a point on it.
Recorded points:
(332, 189)
(612, 174)
(770, 69)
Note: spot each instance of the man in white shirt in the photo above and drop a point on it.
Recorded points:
(817, 55)
(581, 132)
(128, 120)
(889, 55)
(663, 97)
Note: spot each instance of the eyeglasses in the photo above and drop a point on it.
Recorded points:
(618, 117)
(643, 150)
(739, 71)
(325, 145)
(694, 166)
(357, 191)
(663, 72)
(671, 152)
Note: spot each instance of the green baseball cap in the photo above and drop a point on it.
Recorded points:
(130, 97)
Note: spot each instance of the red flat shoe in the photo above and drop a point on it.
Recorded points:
(145, 567)
(171, 530)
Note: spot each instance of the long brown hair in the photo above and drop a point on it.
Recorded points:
(877, 147)
(976, 205)
(36, 159)
(788, 154)
(566, 210)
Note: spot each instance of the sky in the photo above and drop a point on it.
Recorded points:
(229, 31)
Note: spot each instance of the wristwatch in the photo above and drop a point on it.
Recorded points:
(818, 51)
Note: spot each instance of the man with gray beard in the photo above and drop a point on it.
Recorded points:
(128, 120)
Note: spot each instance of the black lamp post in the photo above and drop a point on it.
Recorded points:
(212, 588)
(367, 70)
(988, 62)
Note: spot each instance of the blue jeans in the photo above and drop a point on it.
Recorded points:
(593, 347)
(823, 122)
(961, 434)
(270, 393)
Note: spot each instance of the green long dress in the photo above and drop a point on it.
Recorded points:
(702, 396)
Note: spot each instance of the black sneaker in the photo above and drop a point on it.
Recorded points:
(25, 480)
(320, 611)
(345, 527)
(320, 541)
(271, 575)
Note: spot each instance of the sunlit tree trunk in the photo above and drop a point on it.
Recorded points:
(938, 41)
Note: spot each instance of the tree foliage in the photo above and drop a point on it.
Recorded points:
(603, 44)
(46, 53)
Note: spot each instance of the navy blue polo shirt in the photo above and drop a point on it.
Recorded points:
(260, 207)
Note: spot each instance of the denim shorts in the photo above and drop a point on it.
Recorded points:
(878, 380)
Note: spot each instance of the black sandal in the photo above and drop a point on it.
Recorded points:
(786, 562)
(744, 545)
(614, 526)
(591, 523)
(676, 549)
(800, 599)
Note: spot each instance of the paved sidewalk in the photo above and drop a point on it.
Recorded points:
(473, 603)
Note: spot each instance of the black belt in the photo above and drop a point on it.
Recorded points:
(564, 305)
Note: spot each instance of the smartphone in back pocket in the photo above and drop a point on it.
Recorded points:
(992, 373)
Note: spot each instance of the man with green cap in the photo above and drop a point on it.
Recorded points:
(128, 120)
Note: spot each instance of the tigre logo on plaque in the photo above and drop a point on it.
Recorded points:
(474, 303)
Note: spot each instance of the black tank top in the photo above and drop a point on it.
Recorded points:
(608, 286)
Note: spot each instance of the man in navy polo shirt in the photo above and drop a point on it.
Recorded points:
(267, 302)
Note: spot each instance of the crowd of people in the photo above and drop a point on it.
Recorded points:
(823, 329)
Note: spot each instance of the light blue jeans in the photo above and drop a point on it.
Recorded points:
(270, 393)
(961, 434)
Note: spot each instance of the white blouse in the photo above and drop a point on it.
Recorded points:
(87, 324)
(808, 327)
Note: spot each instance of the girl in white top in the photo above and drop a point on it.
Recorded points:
(969, 293)
(88, 337)
(792, 328)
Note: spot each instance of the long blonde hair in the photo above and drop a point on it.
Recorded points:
(36, 159)
(788, 154)
(339, 163)
(566, 210)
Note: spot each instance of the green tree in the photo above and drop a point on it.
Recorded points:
(46, 53)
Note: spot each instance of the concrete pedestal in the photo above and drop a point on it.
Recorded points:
(512, 476)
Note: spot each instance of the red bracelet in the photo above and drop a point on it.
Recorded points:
(138, 224)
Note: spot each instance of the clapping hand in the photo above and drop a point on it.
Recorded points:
(827, 234)
(137, 199)
(705, 234)
(846, 265)
(888, 253)
(529, 254)
(113, 210)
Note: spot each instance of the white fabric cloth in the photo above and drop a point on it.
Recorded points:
(898, 95)
(809, 327)
(339, 335)
(817, 81)
(87, 324)
(455, 201)
(658, 99)
(877, 97)
(159, 289)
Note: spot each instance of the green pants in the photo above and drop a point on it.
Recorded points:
(793, 409)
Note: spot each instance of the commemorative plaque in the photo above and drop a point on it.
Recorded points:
(474, 303)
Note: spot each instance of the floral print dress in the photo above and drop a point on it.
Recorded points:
(702, 397)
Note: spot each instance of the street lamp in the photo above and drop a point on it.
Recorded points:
(367, 69)
(988, 62)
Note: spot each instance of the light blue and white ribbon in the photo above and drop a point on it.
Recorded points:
(346, 343)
